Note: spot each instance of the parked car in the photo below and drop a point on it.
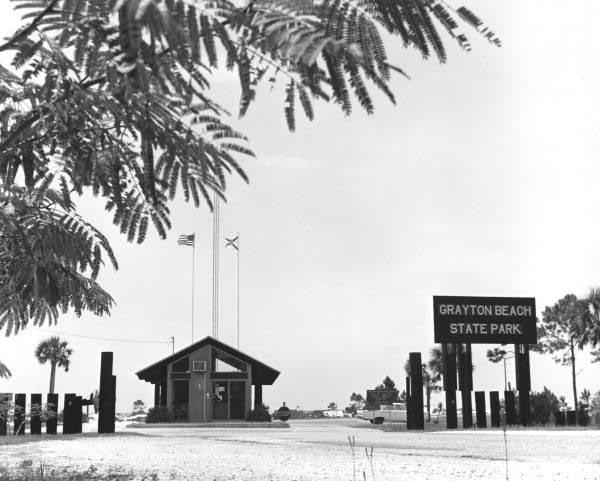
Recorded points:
(386, 413)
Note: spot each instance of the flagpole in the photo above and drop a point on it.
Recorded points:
(193, 277)
(215, 293)
(238, 292)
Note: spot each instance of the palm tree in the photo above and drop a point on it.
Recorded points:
(585, 397)
(55, 351)
(431, 377)
(436, 362)
(132, 116)
(4, 371)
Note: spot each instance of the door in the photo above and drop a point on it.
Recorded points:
(237, 400)
(220, 400)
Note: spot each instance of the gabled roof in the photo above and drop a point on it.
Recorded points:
(261, 373)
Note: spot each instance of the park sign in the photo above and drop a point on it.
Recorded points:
(494, 320)
(377, 397)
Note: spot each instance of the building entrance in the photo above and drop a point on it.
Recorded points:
(229, 400)
(220, 400)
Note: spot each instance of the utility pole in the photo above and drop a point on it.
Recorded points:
(173, 343)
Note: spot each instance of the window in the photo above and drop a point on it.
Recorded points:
(181, 365)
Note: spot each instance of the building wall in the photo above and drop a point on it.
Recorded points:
(199, 387)
(200, 384)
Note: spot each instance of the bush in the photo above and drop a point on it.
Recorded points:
(584, 417)
(545, 407)
(260, 414)
(159, 414)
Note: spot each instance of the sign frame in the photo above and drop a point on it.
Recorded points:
(484, 320)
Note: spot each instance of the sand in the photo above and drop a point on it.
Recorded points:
(319, 450)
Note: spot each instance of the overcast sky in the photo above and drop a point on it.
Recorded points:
(482, 181)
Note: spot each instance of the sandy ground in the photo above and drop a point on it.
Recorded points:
(319, 450)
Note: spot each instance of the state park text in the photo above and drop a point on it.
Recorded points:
(485, 319)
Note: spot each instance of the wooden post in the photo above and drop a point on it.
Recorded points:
(113, 403)
(467, 409)
(451, 413)
(69, 409)
(156, 395)
(523, 377)
(78, 414)
(480, 409)
(495, 409)
(509, 406)
(465, 380)
(449, 361)
(416, 382)
(4, 404)
(257, 396)
(468, 367)
(106, 416)
(163, 393)
(410, 415)
(51, 413)
(19, 417)
(35, 426)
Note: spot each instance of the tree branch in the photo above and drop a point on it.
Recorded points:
(30, 28)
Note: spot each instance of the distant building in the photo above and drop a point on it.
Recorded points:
(208, 381)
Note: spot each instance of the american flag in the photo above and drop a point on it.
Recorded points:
(186, 239)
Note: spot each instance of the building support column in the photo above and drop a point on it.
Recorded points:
(163, 386)
(257, 395)
(156, 395)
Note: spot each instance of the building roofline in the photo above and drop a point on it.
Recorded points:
(145, 374)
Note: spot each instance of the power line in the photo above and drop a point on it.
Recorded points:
(107, 338)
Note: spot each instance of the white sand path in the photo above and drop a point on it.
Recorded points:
(319, 450)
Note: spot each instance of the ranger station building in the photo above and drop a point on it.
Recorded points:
(208, 381)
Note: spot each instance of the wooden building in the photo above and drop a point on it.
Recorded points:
(208, 381)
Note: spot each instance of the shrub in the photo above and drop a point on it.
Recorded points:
(595, 408)
(584, 417)
(545, 407)
(159, 414)
(260, 414)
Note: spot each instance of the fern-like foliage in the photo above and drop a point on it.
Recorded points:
(49, 259)
(4, 371)
(113, 97)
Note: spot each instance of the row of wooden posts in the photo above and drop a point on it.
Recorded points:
(413, 422)
(72, 414)
(457, 360)
(72, 407)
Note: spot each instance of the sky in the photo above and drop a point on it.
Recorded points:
(481, 181)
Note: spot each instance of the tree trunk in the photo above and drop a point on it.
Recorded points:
(574, 382)
(52, 376)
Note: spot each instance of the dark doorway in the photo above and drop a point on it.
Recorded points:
(220, 400)
(181, 399)
(237, 401)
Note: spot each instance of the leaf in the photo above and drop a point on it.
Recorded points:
(289, 106)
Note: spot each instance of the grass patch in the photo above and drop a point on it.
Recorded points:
(29, 471)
